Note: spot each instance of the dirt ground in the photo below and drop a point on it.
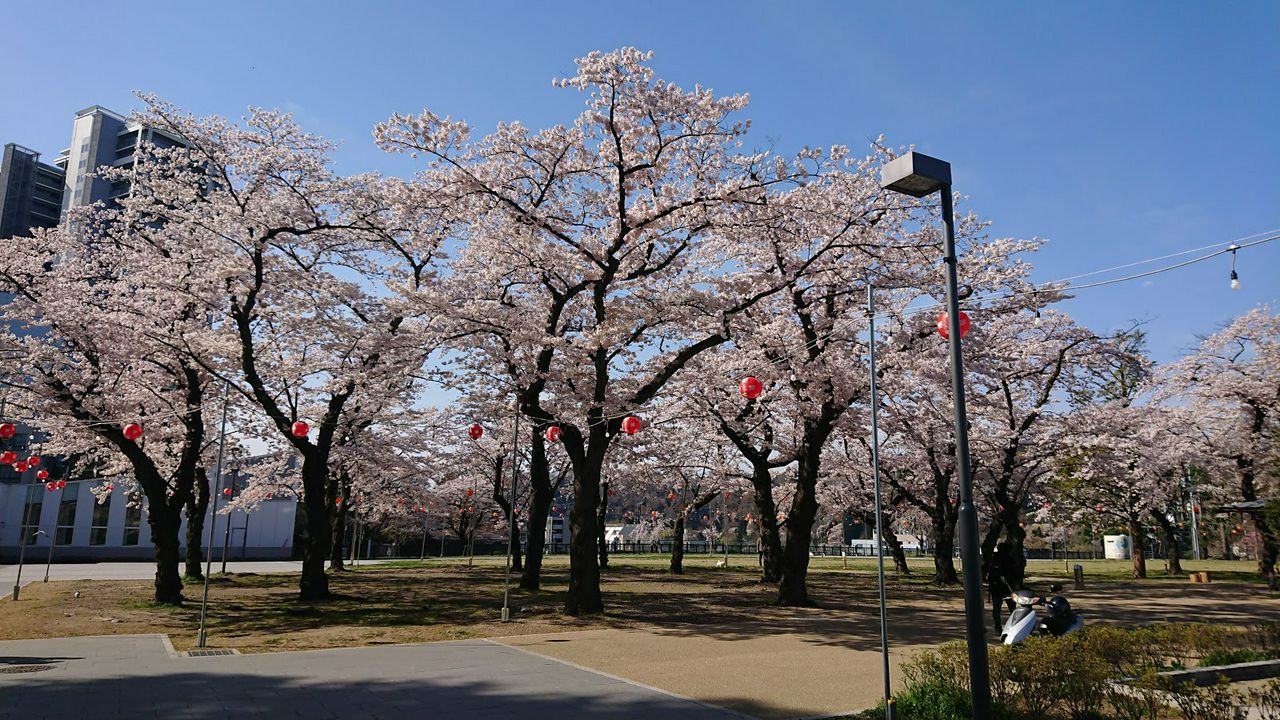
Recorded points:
(446, 600)
(711, 635)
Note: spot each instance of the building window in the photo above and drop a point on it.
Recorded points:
(101, 513)
(66, 518)
(31, 518)
(132, 523)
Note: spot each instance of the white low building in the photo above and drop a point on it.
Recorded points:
(86, 530)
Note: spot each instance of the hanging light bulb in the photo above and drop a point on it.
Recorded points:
(1235, 279)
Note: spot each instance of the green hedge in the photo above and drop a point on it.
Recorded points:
(1098, 673)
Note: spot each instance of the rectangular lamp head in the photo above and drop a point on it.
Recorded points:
(915, 174)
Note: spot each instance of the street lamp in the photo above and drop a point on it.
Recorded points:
(919, 175)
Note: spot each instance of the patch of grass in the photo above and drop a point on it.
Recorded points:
(1232, 656)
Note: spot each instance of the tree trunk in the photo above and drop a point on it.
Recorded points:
(338, 537)
(539, 507)
(677, 546)
(1172, 544)
(600, 518)
(317, 499)
(1138, 539)
(944, 545)
(770, 538)
(792, 590)
(895, 547)
(165, 522)
(196, 509)
(584, 596)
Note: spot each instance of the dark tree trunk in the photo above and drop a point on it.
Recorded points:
(338, 536)
(770, 537)
(539, 507)
(165, 522)
(196, 509)
(895, 547)
(317, 499)
(1138, 539)
(1269, 553)
(944, 545)
(600, 528)
(1172, 544)
(792, 590)
(677, 545)
(584, 597)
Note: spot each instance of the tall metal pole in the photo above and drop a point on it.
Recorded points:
(53, 540)
(889, 709)
(217, 480)
(970, 561)
(511, 510)
(226, 531)
(1195, 517)
(22, 542)
(423, 556)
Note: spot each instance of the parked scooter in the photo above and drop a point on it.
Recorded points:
(1059, 619)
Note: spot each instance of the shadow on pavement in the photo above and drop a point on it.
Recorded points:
(193, 694)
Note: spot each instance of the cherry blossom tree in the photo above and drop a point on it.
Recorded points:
(612, 223)
(1232, 381)
(97, 363)
(309, 267)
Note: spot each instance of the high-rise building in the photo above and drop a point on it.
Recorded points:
(102, 138)
(30, 192)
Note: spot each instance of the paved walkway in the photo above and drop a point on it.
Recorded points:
(137, 676)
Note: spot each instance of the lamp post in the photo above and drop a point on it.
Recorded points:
(213, 513)
(919, 175)
(889, 708)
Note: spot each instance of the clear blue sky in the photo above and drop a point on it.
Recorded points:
(1118, 131)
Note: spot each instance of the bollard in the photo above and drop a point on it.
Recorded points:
(1079, 577)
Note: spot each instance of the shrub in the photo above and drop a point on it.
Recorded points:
(934, 700)
(1231, 657)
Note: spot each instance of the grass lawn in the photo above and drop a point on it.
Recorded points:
(444, 599)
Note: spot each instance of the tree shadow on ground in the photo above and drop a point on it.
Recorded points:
(192, 694)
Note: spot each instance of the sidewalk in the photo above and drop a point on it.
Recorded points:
(137, 676)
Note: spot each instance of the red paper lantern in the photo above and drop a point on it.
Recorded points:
(62, 484)
(132, 431)
(20, 466)
(671, 497)
(475, 432)
(8, 430)
(553, 434)
(300, 429)
(50, 486)
(631, 425)
(226, 492)
(270, 495)
(750, 387)
(1196, 509)
(728, 493)
(42, 475)
(33, 461)
(8, 457)
(942, 325)
(470, 492)
(337, 501)
(610, 492)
